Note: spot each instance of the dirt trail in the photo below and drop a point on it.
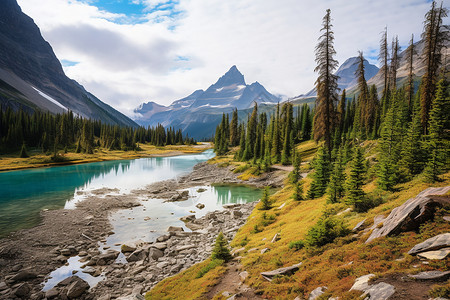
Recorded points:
(231, 283)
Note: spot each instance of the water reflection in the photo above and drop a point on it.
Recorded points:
(24, 193)
(151, 220)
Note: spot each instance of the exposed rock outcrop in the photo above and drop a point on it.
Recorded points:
(281, 271)
(412, 213)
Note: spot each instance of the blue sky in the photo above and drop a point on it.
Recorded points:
(131, 51)
(119, 6)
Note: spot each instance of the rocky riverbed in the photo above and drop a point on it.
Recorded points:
(28, 257)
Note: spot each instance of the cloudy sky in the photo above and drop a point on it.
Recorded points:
(131, 51)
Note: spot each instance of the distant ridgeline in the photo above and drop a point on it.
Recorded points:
(68, 131)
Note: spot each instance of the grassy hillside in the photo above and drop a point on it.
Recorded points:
(335, 265)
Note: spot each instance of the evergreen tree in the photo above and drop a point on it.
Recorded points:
(326, 84)
(363, 99)
(23, 152)
(276, 137)
(251, 134)
(355, 181)
(220, 250)
(287, 144)
(412, 158)
(341, 111)
(298, 191)
(438, 140)
(265, 200)
(337, 180)
(383, 58)
(395, 62)
(295, 174)
(434, 36)
(321, 174)
(389, 152)
(410, 52)
(234, 129)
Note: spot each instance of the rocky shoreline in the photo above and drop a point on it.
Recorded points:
(28, 257)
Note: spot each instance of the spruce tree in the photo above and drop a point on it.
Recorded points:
(434, 35)
(410, 52)
(438, 140)
(251, 134)
(23, 151)
(337, 180)
(276, 137)
(298, 191)
(220, 250)
(383, 58)
(265, 200)
(326, 84)
(355, 194)
(395, 62)
(321, 174)
(287, 144)
(234, 129)
(412, 158)
(392, 133)
(295, 174)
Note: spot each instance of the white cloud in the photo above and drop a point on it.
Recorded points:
(270, 41)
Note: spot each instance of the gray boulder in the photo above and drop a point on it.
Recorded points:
(316, 293)
(77, 288)
(432, 275)
(24, 276)
(139, 254)
(362, 283)
(435, 243)
(412, 213)
(155, 254)
(174, 229)
(281, 271)
(23, 290)
(380, 291)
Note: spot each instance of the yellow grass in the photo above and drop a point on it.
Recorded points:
(37, 159)
(185, 285)
(335, 265)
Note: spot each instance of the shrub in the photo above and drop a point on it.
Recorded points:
(440, 291)
(256, 229)
(297, 245)
(214, 263)
(326, 231)
(244, 242)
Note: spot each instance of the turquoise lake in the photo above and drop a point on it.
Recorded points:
(23, 194)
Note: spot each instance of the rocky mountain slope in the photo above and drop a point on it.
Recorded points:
(31, 76)
(199, 113)
(347, 78)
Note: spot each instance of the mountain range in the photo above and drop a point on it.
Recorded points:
(199, 113)
(32, 78)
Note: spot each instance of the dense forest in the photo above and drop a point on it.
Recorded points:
(20, 130)
(410, 128)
